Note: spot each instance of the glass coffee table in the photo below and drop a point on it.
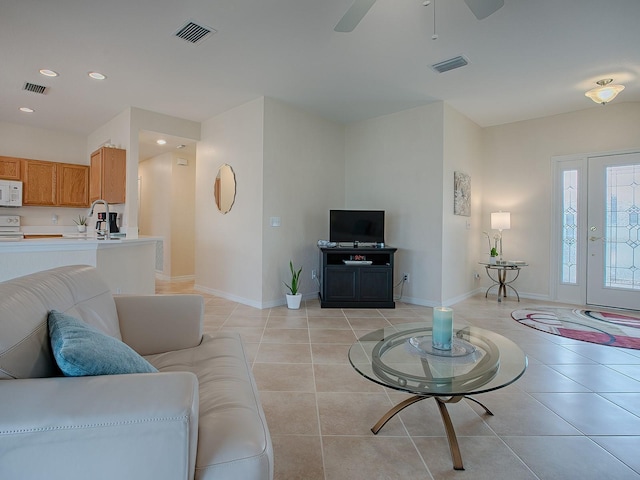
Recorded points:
(401, 357)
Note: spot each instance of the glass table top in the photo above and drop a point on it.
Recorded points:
(401, 357)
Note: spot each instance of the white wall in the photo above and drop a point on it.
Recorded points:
(167, 210)
(229, 247)
(39, 144)
(461, 236)
(288, 164)
(303, 180)
(183, 217)
(155, 204)
(395, 163)
(518, 176)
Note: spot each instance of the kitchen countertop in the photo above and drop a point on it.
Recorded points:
(68, 242)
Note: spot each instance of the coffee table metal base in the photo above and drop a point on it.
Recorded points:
(456, 456)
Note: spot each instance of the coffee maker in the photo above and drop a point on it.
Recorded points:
(113, 222)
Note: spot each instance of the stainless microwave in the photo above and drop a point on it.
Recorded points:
(10, 193)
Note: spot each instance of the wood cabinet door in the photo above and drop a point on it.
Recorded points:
(114, 174)
(95, 187)
(108, 175)
(73, 185)
(39, 183)
(10, 168)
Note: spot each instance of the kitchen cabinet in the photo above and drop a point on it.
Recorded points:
(10, 168)
(50, 184)
(39, 183)
(73, 185)
(108, 175)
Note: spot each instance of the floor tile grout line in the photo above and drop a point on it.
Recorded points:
(563, 347)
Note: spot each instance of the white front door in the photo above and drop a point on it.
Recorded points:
(613, 231)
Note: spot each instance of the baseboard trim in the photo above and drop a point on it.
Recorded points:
(166, 278)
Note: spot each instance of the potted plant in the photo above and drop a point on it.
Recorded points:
(493, 251)
(81, 223)
(294, 298)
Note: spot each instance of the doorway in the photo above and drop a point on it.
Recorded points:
(166, 181)
(596, 235)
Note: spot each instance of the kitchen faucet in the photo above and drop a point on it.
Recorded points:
(107, 236)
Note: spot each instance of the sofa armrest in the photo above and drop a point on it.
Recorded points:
(153, 324)
(141, 426)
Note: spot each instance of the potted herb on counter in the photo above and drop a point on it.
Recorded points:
(81, 223)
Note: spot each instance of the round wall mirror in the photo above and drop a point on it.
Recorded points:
(224, 189)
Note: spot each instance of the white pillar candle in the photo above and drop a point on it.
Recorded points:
(442, 328)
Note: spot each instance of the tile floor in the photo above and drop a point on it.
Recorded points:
(575, 414)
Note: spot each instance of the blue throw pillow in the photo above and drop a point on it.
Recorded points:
(81, 350)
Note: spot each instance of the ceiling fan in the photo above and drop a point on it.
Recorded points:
(480, 8)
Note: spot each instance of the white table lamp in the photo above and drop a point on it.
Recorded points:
(500, 221)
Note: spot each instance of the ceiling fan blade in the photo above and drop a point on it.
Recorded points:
(483, 8)
(352, 18)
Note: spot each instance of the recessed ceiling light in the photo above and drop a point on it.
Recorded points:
(27, 110)
(161, 142)
(181, 146)
(48, 73)
(97, 75)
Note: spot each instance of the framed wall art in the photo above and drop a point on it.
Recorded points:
(461, 194)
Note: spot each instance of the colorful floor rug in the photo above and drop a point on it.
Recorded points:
(604, 328)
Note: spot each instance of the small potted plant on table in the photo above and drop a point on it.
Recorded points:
(493, 251)
(294, 297)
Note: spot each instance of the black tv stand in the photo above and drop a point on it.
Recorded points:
(356, 285)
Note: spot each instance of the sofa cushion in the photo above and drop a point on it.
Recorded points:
(81, 350)
(25, 302)
(233, 437)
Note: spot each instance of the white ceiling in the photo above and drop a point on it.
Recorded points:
(530, 59)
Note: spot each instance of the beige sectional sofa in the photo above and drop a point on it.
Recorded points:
(198, 417)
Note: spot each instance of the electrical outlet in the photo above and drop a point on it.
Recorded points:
(405, 277)
(313, 274)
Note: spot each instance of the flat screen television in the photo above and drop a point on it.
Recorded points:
(363, 226)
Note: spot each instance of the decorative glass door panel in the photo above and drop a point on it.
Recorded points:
(613, 260)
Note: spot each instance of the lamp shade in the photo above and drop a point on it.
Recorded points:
(500, 221)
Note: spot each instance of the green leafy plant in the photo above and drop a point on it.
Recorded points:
(81, 220)
(493, 251)
(295, 279)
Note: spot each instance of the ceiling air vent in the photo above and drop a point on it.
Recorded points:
(32, 87)
(194, 33)
(452, 63)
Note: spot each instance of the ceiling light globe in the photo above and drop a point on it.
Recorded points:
(605, 93)
(48, 73)
(97, 75)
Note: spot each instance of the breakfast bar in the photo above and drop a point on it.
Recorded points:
(127, 264)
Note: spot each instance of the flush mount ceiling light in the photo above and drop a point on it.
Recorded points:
(605, 92)
(48, 73)
(161, 142)
(26, 109)
(97, 75)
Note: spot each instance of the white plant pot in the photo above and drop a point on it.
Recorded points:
(493, 260)
(293, 301)
(82, 228)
